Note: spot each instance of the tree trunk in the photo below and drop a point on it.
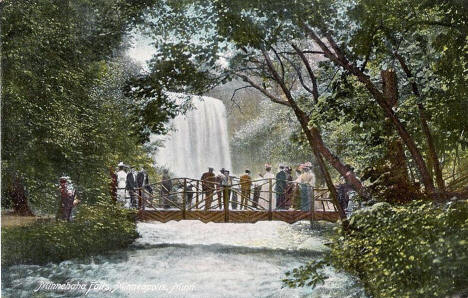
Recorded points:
(315, 141)
(18, 196)
(339, 59)
(329, 182)
(405, 136)
(344, 170)
(318, 156)
(424, 126)
(396, 151)
(431, 148)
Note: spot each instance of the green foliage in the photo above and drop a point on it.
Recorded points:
(429, 35)
(63, 108)
(270, 137)
(418, 250)
(309, 275)
(96, 229)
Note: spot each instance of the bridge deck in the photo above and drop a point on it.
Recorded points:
(235, 216)
(191, 199)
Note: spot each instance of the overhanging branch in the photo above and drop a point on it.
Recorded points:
(268, 94)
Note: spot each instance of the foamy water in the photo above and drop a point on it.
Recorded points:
(191, 259)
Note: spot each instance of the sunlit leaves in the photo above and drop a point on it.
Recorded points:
(416, 250)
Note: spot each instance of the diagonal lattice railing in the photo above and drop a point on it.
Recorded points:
(261, 196)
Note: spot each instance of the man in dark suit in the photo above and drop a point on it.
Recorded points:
(130, 187)
(280, 188)
(141, 183)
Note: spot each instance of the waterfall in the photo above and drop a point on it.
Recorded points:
(198, 139)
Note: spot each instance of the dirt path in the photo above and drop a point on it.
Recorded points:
(9, 220)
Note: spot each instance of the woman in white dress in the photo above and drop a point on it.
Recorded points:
(264, 194)
(121, 183)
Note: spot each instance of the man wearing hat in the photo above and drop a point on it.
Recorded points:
(130, 185)
(246, 184)
(144, 188)
(208, 180)
(219, 186)
(121, 183)
(67, 198)
(280, 187)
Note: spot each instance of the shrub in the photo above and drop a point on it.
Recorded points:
(96, 229)
(417, 250)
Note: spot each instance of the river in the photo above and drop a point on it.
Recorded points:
(190, 259)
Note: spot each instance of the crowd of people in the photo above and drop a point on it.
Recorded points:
(279, 191)
(283, 193)
(129, 187)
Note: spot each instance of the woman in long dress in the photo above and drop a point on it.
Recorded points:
(297, 189)
(289, 193)
(264, 194)
(121, 183)
(307, 180)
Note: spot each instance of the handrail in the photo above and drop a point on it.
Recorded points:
(186, 194)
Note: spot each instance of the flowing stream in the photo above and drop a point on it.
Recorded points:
(189, 259)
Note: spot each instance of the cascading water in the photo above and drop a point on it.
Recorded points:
(198, 140)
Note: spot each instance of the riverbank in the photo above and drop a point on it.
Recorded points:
(96, 229)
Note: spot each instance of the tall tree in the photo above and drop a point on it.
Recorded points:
(58, 115)
(275, 48)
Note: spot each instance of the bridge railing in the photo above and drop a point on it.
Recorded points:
(187, 194)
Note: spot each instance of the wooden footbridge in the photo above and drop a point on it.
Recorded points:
(191, 199)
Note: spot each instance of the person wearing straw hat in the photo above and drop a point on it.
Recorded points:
(121, 183)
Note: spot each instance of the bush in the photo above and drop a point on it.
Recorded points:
(417, 250)
(96, 229)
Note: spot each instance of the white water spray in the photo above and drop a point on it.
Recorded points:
(199, 139)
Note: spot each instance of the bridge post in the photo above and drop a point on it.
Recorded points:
(270, 199)
(198, 192)
(226, 191)
(312, 206)
(184, 198)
